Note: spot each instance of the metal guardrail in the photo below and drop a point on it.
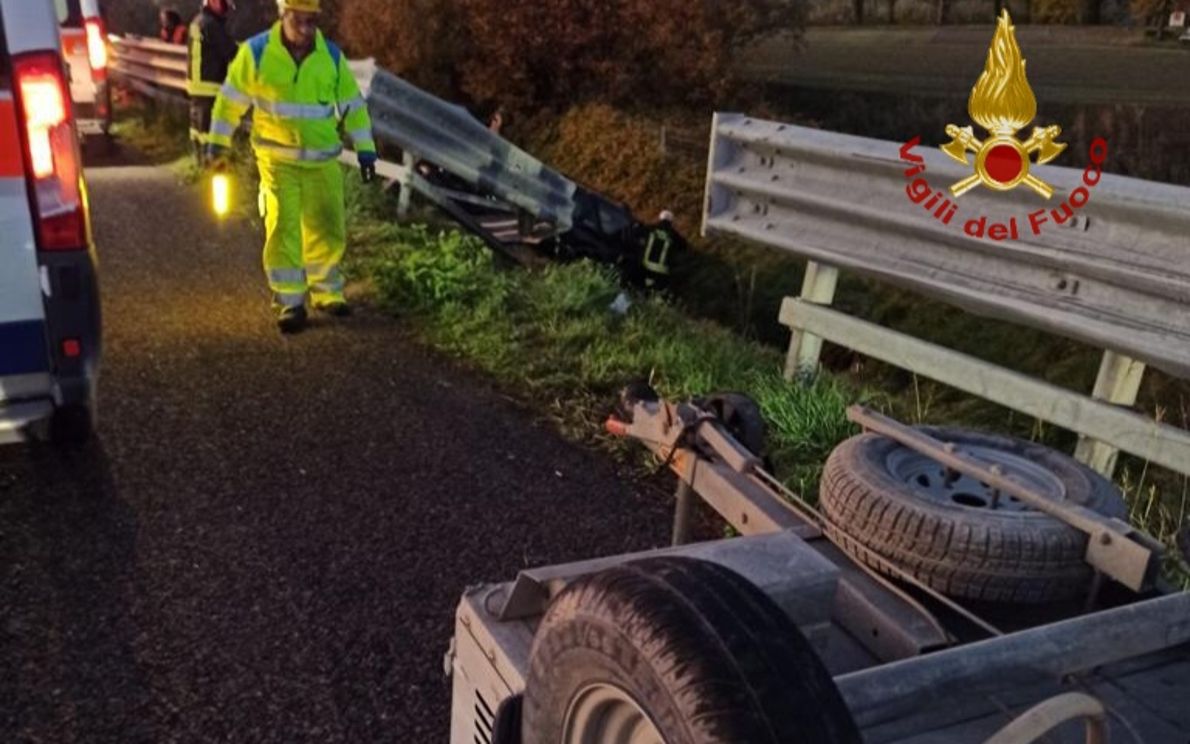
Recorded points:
(448, 136)
(1117, 277)
(153, 67)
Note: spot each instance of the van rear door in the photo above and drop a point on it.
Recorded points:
(25, 382)
(74, 49)
(85, 49)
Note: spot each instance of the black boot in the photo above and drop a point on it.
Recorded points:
(292, 319)
(336, 309)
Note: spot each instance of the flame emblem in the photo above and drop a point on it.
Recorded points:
(1003, 103)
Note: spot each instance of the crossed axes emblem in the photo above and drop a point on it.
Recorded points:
(1003, 148)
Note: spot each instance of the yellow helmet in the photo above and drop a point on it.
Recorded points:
(303, 6)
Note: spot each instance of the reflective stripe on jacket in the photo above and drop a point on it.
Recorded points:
(296, 109)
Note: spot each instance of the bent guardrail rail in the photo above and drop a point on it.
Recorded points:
(448, 136)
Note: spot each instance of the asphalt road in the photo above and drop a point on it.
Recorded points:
(269, 539)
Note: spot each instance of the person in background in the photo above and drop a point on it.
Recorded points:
(301, 91)
(661, 245)
(210, 54)
(496, 120)
(171, 30)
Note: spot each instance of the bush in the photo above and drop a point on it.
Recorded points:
(1150, 12)
(619, 153)
(1057, 11)
(419, 40)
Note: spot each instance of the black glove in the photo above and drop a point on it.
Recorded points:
(367, 166)
(218, 159)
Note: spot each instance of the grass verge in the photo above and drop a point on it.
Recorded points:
(551, 335)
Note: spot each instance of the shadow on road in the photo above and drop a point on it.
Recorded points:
(67, 565)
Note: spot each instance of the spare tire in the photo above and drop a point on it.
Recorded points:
(676, 651)
(889, 504)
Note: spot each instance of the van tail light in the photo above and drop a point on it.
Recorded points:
(52, 156)
(97, 48)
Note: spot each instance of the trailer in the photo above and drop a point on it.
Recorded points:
(948, 585)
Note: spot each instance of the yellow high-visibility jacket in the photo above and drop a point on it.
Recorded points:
(297, 110)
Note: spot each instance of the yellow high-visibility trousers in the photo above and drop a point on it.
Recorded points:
(305, 231)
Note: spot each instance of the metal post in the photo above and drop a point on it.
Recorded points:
(1118, 382)
(406, 182)
(804, 348)
(683, 508)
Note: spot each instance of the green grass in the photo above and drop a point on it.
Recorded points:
(156, 131)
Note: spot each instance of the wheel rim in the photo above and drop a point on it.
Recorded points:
(606, 714)
(931, 481)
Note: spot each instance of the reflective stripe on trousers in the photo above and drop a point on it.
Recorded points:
(289, 299)
(287, 276)
(325, 279)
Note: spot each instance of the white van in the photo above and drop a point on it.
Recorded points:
(49, 299)
(84, 44)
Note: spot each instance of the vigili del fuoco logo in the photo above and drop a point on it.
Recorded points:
(1003, 104)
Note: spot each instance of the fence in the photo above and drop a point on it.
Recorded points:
(1114, 276)
(672, 141)
(152, 67)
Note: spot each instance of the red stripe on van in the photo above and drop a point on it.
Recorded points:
(12, 165)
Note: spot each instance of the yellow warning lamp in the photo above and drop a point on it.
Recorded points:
(221, 194)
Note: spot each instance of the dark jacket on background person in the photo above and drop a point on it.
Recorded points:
(211, 51)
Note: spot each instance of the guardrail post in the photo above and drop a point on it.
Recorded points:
(406, 183)
(1119, 383)
(804, 348)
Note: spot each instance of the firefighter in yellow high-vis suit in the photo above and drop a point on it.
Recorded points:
(301, 88)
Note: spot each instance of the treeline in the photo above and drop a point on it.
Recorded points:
(534, 54)
(530, 54)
